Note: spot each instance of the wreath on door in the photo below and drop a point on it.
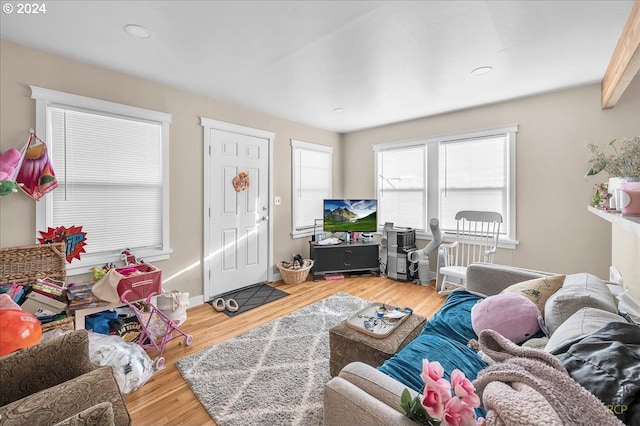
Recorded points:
(241, 182)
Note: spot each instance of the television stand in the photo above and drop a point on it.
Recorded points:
(358, 257)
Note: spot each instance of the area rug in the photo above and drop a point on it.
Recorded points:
(251, 297)
(273, 374)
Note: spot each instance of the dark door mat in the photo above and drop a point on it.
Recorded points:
(251, 297)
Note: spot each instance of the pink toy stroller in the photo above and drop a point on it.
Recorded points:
(157, 328)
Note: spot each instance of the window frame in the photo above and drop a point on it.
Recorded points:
(296, 145)
(432, 144)
(46, 98)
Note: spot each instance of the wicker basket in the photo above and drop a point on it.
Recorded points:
(295, 276)
(26, 264)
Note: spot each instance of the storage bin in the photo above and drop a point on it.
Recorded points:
(142, 281)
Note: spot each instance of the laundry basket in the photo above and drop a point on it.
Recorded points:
(295, 276)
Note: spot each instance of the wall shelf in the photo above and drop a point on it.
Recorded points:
(627, 223)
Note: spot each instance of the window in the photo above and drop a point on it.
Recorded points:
(111, 162)
(311, 184)
(437, 177)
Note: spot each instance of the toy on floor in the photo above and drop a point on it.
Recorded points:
(20, 330)
(157, 328)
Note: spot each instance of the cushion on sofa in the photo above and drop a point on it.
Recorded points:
(578, 291)
(537, 290)
(45, 365)
(583, 322)
(99, 415)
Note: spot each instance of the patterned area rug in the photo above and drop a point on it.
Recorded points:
(273, 374)
(251, 297)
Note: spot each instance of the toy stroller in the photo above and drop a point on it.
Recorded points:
(157, 328)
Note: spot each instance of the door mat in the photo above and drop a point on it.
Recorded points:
(251, 297)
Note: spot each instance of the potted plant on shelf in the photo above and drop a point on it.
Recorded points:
(619, 159)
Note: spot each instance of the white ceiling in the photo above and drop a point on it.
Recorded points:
(381, 61)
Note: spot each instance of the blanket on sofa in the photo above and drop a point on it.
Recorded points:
(531, 387)
(607, 363)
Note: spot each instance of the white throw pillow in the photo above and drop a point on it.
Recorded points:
(584, 321)
(578, 291)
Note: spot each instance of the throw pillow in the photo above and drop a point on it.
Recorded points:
(512, 315)
(578, 291)
(584, 321)
(537, 290)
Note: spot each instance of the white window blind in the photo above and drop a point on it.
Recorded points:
(312, 181)
(473, 176)
(111, 162)
(436, 177)
(402, 186)
(109, 174)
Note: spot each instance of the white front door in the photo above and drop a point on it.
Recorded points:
(236, 219)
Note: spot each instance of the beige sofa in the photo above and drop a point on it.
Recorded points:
(361, 394)
(55, 383)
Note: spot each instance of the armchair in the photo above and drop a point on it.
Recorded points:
(55, 383)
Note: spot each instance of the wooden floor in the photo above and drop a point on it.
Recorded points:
(166, 399)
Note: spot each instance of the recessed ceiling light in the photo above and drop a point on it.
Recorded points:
(137, 31)
(338, 110)
(481, 70)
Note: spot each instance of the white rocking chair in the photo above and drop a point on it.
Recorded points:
(477, 236)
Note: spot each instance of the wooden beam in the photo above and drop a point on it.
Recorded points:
(625, 61)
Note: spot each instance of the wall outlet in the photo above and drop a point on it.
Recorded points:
(277, 201)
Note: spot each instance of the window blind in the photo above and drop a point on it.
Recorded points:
(312, 179)
(473, 176)
(402, 186)
(110, 174)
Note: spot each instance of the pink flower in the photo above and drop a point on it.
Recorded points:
(431, 369)
(457, 413)
(437, 391)
(463, 388)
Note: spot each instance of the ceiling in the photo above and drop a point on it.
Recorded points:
(379, 61)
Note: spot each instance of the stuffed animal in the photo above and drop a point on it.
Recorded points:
(512, 315)
(9, 162)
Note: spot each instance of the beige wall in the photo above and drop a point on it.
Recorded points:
(555, 230)
(21, 67)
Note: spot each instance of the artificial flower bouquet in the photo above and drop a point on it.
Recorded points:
(438, 406)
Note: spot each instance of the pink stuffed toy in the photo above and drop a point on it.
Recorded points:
(9, 162)
(512, 315)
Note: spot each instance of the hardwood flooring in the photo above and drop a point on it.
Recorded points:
(166, 399)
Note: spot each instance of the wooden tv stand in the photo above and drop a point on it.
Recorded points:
(344, 257)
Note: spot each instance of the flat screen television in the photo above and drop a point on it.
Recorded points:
(350, 216)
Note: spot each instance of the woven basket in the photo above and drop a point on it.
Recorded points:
(26, 264)
(295, 276)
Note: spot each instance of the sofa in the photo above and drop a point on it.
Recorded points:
(55, 383)
(576, 308)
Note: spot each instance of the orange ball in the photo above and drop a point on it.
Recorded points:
(18, 330)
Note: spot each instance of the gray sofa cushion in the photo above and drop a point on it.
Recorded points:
(585, 321)
(578, 291)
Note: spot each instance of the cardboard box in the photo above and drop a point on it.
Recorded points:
(36, 301)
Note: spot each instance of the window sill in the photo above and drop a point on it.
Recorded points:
(88, 262)
(504, 243)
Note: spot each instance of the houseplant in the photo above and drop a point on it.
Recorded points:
(622, 161)
(617, 159)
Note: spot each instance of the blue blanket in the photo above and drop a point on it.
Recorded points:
(443, 339)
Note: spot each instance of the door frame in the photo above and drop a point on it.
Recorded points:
(207, 124)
